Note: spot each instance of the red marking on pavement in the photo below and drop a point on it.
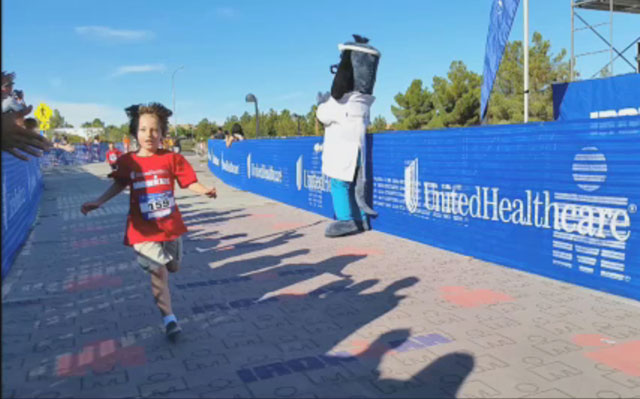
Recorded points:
(263, 216)
(355, 251)
(100, 357)
(94, 282)
(466, 298)
(592, 340)
(360, 347)
(624, 356)
(287, 226)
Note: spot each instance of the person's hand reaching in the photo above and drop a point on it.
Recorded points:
(16, 137)
(89, 206)
(211, 193)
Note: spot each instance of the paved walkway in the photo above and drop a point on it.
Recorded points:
(271, 308)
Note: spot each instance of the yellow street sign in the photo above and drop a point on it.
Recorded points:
(45, 126)
(43, 113)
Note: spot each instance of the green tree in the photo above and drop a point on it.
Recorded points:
(313, 127)
(203, 129)
(57, 120)
(285, 125)
(96, 123)
(379, 124)
(507, 100)
(456, 98)
(116, 133)
(415, 107)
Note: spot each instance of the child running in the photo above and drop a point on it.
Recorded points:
(112, 156)
(154, 223)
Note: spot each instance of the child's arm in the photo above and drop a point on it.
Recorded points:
(200, 189)
(111, 192)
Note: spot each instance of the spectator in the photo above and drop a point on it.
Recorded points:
(236, 134)
(65, 145)
(126, 142)
(31, 124)
(19, 96)
(14, 136)
(220, 135)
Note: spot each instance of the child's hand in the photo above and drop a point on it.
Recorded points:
(89, 206)
(211, 193)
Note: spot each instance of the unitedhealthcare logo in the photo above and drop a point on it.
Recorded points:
(612, 113)
(311, 180)
(213, 158)
(263, 172)
(230, 167)
(299, 172)
(588, 230)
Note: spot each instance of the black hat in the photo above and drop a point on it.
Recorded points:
(357, 69)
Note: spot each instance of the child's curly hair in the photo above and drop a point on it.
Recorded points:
(160, 111)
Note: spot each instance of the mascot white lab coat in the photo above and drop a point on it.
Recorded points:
(345, 123)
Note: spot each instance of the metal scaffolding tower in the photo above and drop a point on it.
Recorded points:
(624, 6)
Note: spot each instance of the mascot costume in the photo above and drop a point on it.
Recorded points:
(345, 116)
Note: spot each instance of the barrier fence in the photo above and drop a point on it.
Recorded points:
(82, 154)
(558, 199)
(21, 191)
(22, 188)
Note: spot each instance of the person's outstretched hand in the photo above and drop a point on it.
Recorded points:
(15, 137)
(89, 206)
(212, 193)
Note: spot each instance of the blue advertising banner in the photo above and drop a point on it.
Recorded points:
(82, 154)
(21, 191)
(556, 199)
(503, 12)
(598, 98)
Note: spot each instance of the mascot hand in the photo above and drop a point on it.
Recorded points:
(322, 97)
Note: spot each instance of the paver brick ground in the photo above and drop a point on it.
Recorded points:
(271, 308)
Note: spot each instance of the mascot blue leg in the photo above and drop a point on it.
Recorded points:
(343, 207)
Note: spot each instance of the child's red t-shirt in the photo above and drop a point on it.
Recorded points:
(153, 213)
(113, 155)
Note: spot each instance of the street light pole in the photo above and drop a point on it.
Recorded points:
(250, 98)
(173, 91)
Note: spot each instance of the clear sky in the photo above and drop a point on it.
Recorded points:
(92, 58)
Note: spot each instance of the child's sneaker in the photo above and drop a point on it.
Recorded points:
(173, 330)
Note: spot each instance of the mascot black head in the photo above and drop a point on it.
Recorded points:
(357, 68)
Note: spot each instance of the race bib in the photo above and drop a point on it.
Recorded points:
(112, 157)
(154, 206)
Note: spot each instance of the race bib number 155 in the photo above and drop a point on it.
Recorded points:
(154, 206)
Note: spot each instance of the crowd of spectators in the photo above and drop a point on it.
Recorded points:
(19, 134)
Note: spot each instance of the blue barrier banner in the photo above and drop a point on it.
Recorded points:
(82, 154)
(599, 98)
(556, 199)
(501, 19)
(21, 192)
